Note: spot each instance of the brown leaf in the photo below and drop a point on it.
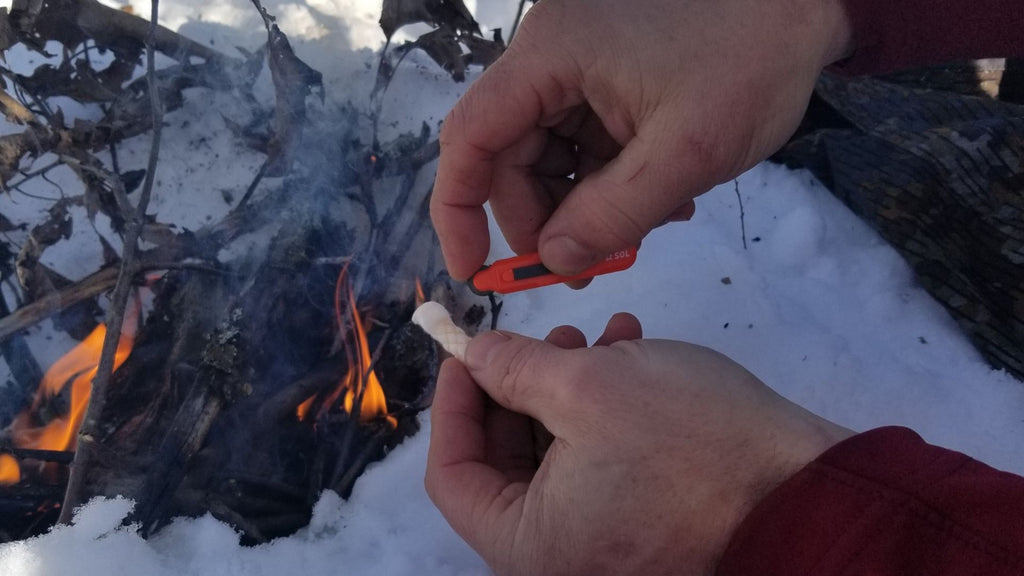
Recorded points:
(397, 13)
(13, 110)
(104, 190)
(483, 52)
(442, 45)
(451, 13)
(7, 35)
(31, 273)
(293, 80)
(7, 226)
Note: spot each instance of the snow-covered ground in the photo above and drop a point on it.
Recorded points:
(817, 306)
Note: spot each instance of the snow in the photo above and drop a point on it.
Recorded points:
(816, 305)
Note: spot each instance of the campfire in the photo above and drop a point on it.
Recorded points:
(254, 361)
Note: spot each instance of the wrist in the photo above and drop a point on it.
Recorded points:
(791, 447)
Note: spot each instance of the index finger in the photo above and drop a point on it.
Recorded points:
(516, 95)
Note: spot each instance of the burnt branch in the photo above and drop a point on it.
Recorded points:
(86, 289)
(72, 22)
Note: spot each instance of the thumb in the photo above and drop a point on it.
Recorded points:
(522, 374)
(617, 206)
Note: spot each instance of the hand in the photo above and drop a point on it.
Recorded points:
(659, 450)
(647, 103)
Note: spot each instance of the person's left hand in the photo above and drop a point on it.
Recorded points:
(659, 450)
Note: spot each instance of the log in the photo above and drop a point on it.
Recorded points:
(940, 175)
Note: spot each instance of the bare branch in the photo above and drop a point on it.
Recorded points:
(90, 429)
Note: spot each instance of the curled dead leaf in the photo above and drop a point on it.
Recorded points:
(437, 13)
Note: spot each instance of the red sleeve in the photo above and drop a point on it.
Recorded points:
(885, 503)
(893, 34)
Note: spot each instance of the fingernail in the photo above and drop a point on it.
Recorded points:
(482, 348)
(564, 255)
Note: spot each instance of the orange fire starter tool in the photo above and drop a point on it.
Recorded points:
(526, 272)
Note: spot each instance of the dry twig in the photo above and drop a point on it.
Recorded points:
(743, 216)
(89, 432)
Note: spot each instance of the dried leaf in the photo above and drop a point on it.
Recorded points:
(7, 226)
(386, 70)
(158, 233)
(483, 52)
(451, 13)
(293, 81)
(132, 179)
(7, 35)
(442, 45)
(33, 141)
(39, 21)
(110, 256)
(445, 46)
(104, 190)
(14, 111)
(397, 13)
(6, 261)
(31, 273)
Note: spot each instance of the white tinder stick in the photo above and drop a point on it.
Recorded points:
(436, 322)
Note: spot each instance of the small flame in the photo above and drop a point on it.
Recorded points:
(10, 472)
(78, 367)
(360, 373)
(420, 296)
(374, 405)
(303, 410)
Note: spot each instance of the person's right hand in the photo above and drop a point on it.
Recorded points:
(659, 451)
(647, 104)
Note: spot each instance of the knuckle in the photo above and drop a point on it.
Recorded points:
(517, 373)
(610, 224)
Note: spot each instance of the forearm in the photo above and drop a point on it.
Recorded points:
(894, 34)
(885, 502)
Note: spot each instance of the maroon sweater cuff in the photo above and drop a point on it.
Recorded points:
(893, 34)
(885, 502)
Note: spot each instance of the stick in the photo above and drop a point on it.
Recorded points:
(253, 185)
(743, 221)
(58, 456)
(90, 430)
(89, 287)
(519, 18)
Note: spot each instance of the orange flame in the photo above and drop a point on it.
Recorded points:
(10, 472)
(78, 367)
(374, 405)
(360, 372)
(420, 296)
(303, 410)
